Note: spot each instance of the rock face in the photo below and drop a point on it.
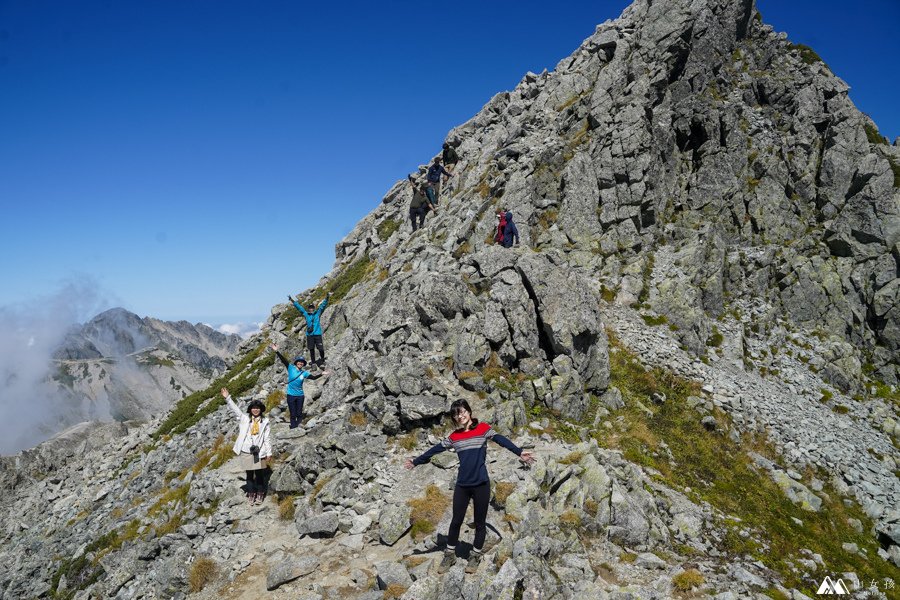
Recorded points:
(686, 166)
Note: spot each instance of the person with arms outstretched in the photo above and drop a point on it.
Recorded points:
(313, 317)
(253, 445)
(297, 374)
(469, 440)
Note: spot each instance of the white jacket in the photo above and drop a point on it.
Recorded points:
(265, 448)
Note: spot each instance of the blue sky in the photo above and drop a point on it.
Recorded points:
(200, 159)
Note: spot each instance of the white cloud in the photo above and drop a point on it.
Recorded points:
(244, 330)
(32, 330)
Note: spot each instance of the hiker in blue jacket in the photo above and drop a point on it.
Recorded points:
(313, 328)
(510, 232)
(297, 374)
(433, 179)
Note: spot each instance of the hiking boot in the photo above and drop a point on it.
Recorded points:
(448, 561)
(474, 560)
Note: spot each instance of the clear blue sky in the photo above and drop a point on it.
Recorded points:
(200, 159)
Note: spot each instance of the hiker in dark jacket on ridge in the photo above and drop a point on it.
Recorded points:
(510, 231)
(433, 180)
(450, 156)
(419, 205)
(313, 328)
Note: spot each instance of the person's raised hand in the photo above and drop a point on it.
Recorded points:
(527, 458)
(408, 464)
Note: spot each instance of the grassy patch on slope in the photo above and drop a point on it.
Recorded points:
(720, 471)
(240, 378)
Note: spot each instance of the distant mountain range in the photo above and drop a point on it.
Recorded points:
(122, 366)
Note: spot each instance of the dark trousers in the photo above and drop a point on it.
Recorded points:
(432, 190)
(480, 495)
(295, 407)
(417, 212)
(313, 342)
(256, 481)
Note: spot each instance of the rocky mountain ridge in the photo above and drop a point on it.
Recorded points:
(697, 338)
(123, 367)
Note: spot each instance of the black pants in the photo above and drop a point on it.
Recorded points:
(417, 212)
(295, 407)
(481, 495)
(313, 342)
(256, 481)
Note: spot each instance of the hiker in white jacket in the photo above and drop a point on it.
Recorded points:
(253, 445)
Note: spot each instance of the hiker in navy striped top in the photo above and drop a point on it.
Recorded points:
(469, 441)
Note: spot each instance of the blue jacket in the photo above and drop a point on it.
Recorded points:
(434, 173)
(510, 232)
(296, 377)
(313, 326)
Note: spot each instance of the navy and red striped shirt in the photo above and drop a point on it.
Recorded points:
(471, 448)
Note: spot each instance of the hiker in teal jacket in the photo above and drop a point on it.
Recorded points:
(297, 374)
(313, 328)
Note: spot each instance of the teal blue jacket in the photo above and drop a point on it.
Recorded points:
(313, 326)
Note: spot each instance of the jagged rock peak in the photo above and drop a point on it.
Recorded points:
(689, 156)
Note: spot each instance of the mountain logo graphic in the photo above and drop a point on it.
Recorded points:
(833, 587)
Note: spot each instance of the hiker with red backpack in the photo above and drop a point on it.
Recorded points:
(501, 226)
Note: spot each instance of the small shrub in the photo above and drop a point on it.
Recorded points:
(462, 250)
(547, 218)
(357, 418)
(873, 135)
(394, 590)
(286, 508)
(607, 294)
(715, 340)
(427, 511)
(386, 228)
(408, 441)
(807, 54)
(826, 395)
(274, 399)
(502, 490)
(203, 571)
(169, 496)
(628, 557)
(841, 409)
(688, 580)
(654, 321)
(591, 507)
(776, 594)
(570, 518)
(572, 458)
